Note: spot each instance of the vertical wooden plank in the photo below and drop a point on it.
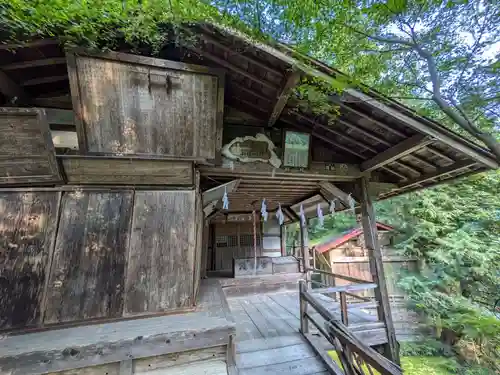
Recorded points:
(304, 243)
(87, 276)
(343, 308)
(27, 224)
(162, 250)
(76, 100)
(377, 267)
(220, 118)
(304, 322)
(199, 218)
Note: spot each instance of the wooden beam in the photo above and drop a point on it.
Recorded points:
(292, 81)
(440, 134)
(249, 91)
(235, 52)
(334, 131)
(458, 166)
(316, 172)
(368, 117)
(396, 152)
(354, 141)
(44, 80)
(217, 192)
(34, 63)
(333, 192)
(377, 268)
(33, 43)
(232, 67)
(11, 90)
(342, 147)
(209, 208)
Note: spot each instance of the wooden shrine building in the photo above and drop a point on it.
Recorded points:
(114, 173)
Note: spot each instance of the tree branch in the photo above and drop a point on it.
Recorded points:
(381, 39)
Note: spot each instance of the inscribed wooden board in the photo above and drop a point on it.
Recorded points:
(26, 151)
(160, 268)
(87, 274)
(27, 226)
(296, 149)
(138, 108)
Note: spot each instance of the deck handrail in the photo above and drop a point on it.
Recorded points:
(355, 357)
(339, 276)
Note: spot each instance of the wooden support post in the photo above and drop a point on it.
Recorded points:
(304, 247)
(304, 322)
(343, 308)
(283, 240)
(377, 268)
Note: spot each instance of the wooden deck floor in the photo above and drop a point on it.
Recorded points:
(268, 339)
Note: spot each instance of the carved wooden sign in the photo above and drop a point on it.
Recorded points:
(252, 149)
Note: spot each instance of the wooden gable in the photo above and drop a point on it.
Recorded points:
(27, 154)
(126, 104)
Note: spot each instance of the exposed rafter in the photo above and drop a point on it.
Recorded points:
(44, 80)
(330, 191)
(231, 67)
(29, 44)
(217, 192)
(292, 81)
(458, 166)
(233, 51)
(369, 118)
(34, 63)
(421, 127)
(396, 152)
(354, 141)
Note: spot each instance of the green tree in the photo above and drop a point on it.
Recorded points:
(455, 231)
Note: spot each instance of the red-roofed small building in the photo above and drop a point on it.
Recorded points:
(346, 254)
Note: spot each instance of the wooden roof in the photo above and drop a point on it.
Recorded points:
(372, 131)
(339, 240)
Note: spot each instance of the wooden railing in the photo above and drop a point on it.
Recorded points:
(345, 292)
(349, 355)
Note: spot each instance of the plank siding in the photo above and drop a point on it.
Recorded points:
(87, 277)
(26, 130)
(160, 269)
(126, 171)
(27, 228)
(139, 108)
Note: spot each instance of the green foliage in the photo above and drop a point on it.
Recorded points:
(455, 230)
(427, 348)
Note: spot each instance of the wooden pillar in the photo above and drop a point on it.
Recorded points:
(304, 322)
(377, 268)
(283, 239)
(304, 247)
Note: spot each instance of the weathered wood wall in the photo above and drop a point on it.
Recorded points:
(162, 248)
(27, 229)
(87, 273)
(27, 154)
(128, 104)
(90, 254)
(126, 171)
